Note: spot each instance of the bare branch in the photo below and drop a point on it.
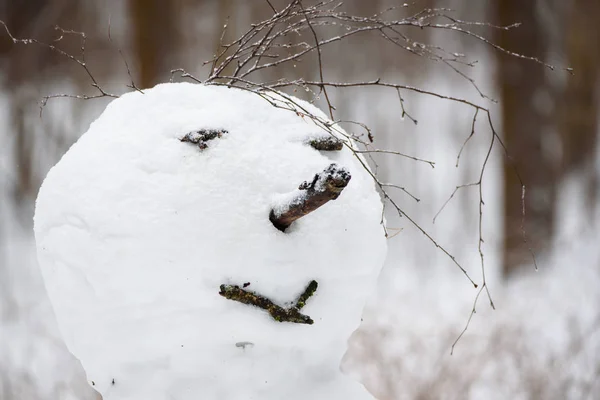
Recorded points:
(271, 5)
(318, 46)
(81, 62)
(132, 85)
(431, 163)
(404, 113)
(279, 41)
(456, 189)
(468, 138)
(401, 188)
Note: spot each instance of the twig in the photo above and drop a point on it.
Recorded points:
(82, 63)
(271, 5)
(324, 187)
(132, 85)
(401, 188)
(278, 313)
(307, 294)
(456, 189)
(468, 138)
(471, 314)
(318, 46)
(404, 113)
(377, 151)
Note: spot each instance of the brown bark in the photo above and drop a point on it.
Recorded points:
(581, 100)
(325, 186)
(527, 135)
(155, 39)
(278, 313)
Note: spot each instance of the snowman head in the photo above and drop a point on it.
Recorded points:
(168, 198)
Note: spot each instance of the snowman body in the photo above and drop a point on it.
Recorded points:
(136, 231)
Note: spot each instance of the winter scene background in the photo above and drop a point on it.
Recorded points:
(542, 340)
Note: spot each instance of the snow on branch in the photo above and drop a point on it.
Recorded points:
(325, 186)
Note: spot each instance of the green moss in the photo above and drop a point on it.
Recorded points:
(307, 294)
(278, 313)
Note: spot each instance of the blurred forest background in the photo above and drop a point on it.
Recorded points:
(543, 342)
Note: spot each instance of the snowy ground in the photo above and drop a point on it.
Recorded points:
(542, 342)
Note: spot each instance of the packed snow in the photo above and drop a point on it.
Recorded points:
(136, 230)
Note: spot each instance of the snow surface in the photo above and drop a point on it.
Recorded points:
(137, 230)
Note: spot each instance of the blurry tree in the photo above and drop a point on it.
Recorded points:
(528, 135)
(550, 128)
(155, 35)
(581, 100)
(21, 17)
(32, 18)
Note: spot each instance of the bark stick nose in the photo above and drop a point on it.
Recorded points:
(325, 186)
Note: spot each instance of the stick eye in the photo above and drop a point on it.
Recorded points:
(203, 136)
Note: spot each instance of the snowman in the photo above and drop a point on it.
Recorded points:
(201, 242)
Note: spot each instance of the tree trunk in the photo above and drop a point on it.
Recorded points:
(581, 100)
(527, 133)
(155, 39)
